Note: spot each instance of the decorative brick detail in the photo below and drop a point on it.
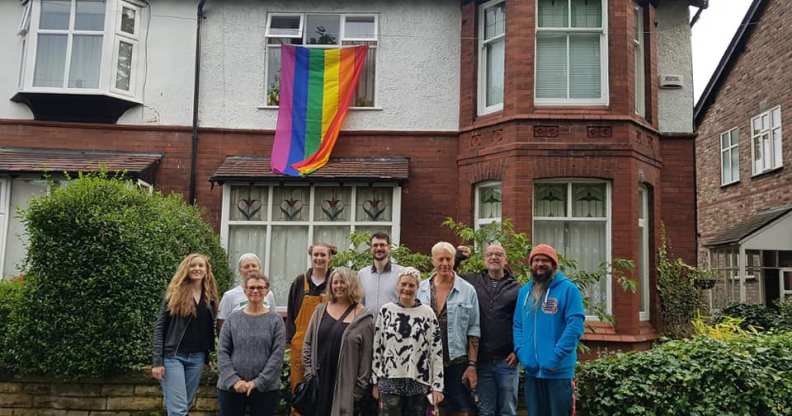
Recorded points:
(599, 132)
(545, 131)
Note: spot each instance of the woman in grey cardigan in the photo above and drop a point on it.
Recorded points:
(250, 355)
(342, 360)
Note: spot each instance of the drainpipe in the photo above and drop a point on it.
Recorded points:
(196, 89)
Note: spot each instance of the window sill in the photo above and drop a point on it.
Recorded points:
(72, 107)
(730, 184)
(275, 107)
(767, 172)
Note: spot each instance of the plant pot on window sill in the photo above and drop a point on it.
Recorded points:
(704, 283)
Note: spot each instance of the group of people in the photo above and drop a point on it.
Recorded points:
(378, 341)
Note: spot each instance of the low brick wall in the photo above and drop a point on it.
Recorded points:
(133, 395)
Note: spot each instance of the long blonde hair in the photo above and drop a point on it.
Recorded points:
(179, 294)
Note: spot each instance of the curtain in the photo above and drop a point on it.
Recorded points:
(495, 63)
(288, 258)
(584, 66)
(551, 65)
(22, 190)
(586, 13)
(90, 15)
(490, 202)
(55, 14)
(337, 235)
(86, 59)
(50, 61)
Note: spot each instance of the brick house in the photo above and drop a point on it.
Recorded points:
(744, 190)
(573, 118)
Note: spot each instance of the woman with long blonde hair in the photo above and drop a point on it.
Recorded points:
(184, 333)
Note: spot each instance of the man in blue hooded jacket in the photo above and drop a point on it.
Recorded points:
(548, 324)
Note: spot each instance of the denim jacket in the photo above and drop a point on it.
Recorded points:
(463, 314)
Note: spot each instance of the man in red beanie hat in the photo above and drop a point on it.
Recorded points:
(548, 324)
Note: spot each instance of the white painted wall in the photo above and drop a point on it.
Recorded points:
(675, 107)
(418, 63)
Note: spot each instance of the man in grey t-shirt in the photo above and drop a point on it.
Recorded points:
(379, 279)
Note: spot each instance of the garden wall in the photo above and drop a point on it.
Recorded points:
(134, 395)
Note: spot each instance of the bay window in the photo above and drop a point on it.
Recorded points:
(574, 217)
(321, 31)
(278, 223)
(571, 52)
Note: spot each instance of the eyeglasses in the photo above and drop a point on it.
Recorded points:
(256, 288)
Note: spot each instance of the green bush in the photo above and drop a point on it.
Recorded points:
(750, 375)
(100, 255)
(761, 317)
(679, 298)
(10, 297)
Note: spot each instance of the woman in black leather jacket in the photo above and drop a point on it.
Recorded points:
(184, 333)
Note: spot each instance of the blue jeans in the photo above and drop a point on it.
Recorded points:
(497, 389)
(182, 376)
(548, 397)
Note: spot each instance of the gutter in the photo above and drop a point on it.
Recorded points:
(196, 90)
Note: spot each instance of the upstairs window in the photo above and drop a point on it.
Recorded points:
(766, 141)
(492, 53)
(321, 31)
(571, 52)
(80, 46)
(730, 156)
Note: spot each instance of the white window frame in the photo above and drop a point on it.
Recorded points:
(768, 142)
(5, 208)
(604, 88)
(341, 39)
(482, 64)
(639, 51)
(726, 155)
(643, 226)
(479, 222)
(607, 220)
(226, 222)
(111, 35)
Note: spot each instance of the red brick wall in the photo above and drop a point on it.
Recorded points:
(679, 195)
(759, 80)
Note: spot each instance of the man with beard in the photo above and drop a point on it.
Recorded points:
(548, 324)
(379, 279)
(497, 364)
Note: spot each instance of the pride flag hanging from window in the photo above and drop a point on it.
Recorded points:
(316, 89)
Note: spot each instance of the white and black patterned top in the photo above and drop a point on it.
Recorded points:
(407, 344)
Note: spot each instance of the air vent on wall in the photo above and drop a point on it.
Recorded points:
(671, 82)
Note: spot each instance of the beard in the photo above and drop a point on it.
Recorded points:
(541, 282)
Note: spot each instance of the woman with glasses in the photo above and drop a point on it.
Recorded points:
(337, 347)
(250, 354)
(234, 299)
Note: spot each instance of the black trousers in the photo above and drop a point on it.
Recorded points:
(395, 405)
(259, 403)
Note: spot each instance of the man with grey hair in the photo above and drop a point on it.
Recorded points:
(455, 303)
(497, 365)
(235, 298)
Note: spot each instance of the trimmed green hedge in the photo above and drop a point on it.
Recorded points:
(10, 297)
(701, 376)
(101, 253)
(761, 317)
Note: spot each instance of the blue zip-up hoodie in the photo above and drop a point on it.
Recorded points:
(546, 336)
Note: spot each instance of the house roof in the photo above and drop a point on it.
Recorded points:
(736, 47)
(17, 161)
(741, 231)
(248, 168)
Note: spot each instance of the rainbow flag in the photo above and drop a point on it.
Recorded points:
(316, 88)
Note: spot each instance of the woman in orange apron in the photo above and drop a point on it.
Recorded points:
(305, 294)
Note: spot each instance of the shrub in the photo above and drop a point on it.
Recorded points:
(100, 255)
(679, 298)
(10, 297)
(748, 375)
(767, 318)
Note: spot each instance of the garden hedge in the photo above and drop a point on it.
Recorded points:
(761, 317)
(751, 375)
(100, 255)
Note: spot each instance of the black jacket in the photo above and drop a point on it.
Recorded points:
(496, 314)
(169, 331)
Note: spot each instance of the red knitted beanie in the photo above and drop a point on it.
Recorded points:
(545, 250)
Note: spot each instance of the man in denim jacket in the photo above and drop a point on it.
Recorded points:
(548, 324)
(455, 303)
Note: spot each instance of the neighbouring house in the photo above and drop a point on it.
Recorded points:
(574, 118)
(744, 188)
